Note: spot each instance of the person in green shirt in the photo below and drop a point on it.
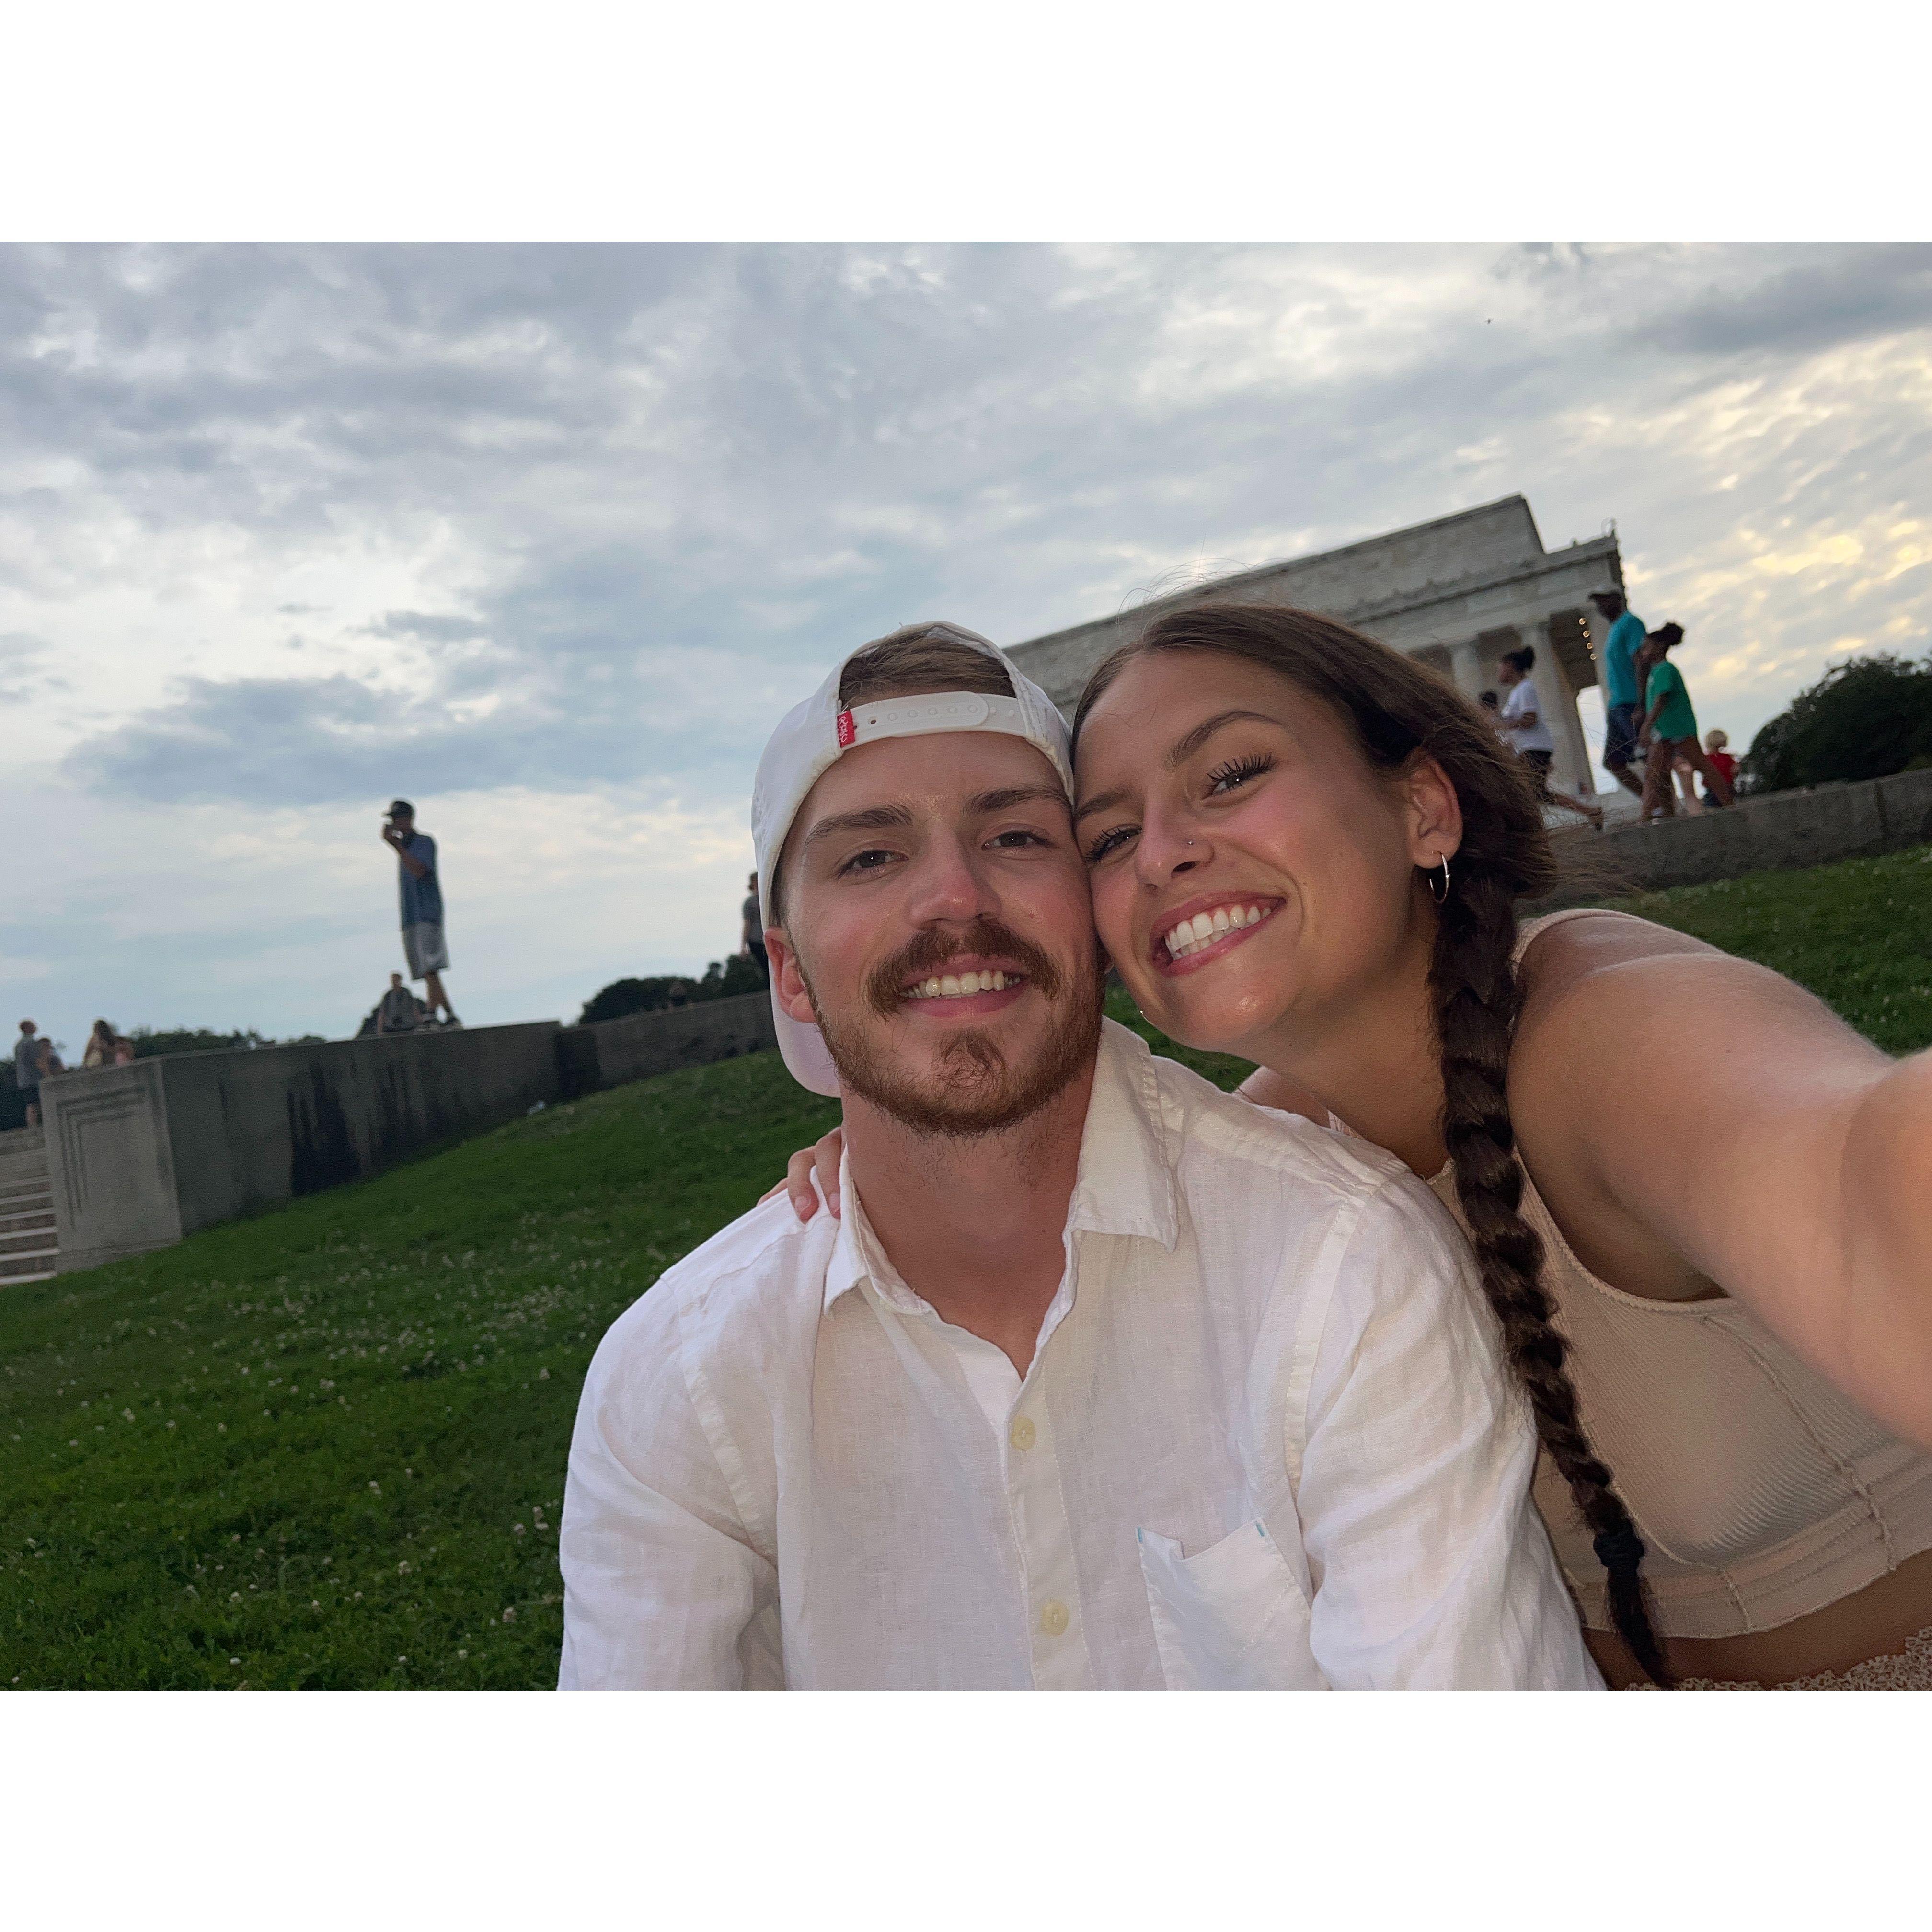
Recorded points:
(1669, 731)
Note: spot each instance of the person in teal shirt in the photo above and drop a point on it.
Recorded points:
(1621, 697)
(1669, 729)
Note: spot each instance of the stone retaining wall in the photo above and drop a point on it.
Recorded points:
(139, 1155)
(1782, 833)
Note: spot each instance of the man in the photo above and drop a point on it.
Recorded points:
(1621, 697)
(751, 941)
(397, 1010)
(27, 1071)
(1104, 1377)
(423, 946)
(1668, 730)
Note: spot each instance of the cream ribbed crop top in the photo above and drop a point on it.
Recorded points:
(1761, 1492)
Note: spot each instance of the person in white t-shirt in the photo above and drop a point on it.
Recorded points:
(1105, 1378)
(1524, 726)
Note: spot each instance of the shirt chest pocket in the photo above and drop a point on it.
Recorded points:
(1233, 1617)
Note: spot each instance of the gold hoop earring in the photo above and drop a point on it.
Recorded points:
(1441, 898)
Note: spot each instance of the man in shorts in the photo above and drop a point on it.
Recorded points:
(423, 946)
(1622, 704)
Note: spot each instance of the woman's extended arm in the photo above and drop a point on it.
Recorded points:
(1771, 1153)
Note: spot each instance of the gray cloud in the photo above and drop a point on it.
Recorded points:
(1852, 294)
(428, 625)
(685, 477)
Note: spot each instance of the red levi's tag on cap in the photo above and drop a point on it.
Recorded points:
(848, 731)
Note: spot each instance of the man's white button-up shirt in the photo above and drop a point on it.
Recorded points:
(1266, 1439)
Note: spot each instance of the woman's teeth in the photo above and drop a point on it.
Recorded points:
(1191, 935)
(956, 985)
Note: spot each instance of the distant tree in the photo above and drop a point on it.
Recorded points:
(150, 1041)
(723, 979)
(1865, 719)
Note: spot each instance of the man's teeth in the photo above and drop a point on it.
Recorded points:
(957, 985)
(1191, 935)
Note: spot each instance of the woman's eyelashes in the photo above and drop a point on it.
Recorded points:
(1108, 842)
(1237, 772)
(1224, 778)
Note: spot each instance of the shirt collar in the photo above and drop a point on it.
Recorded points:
(1124, 1185)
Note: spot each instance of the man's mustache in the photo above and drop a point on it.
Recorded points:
(930, 952)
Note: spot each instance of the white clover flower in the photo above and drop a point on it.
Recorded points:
(235, 1597)
(509, 1616)
(402, 1569)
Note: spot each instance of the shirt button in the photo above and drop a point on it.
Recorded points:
(1024, 1433)
(1053, 1617)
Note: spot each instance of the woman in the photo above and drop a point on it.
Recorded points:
(1523, 719)
(1668, 730)
(99, 1049)
(1720, 1304)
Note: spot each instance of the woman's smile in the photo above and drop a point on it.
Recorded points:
(1207, 927)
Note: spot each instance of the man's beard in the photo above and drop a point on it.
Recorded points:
(974, 1090)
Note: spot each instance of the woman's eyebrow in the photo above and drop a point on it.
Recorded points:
(1105, 802)
(1177, 754)
(1186, 748)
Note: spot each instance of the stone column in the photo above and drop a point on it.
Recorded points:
(1466, 664)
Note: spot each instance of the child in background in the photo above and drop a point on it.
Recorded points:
(1715, 739)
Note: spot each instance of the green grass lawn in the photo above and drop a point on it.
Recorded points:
(327, 1447)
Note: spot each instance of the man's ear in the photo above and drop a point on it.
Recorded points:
(787, 980)
(1435, 813)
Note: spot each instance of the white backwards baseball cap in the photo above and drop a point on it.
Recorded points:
(812, 736)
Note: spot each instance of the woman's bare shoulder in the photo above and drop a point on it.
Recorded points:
(1569, 949)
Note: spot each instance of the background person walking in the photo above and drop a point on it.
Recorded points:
(1669, 731)
(1523, 727)
(423, 944)
(27, 1070)
(1622, 686)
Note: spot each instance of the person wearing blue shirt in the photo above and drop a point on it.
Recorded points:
(423, 944)
(1622, 706)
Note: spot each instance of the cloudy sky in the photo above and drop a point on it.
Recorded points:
(545, 538)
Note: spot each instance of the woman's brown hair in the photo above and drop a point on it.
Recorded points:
(1398, 708)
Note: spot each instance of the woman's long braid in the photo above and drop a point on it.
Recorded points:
(1472, 982)
(1398, 710)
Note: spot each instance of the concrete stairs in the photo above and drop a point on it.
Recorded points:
(28, 1248)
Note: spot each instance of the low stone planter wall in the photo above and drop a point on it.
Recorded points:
(613, 1052)
(138, 1157)
(1784, 831)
